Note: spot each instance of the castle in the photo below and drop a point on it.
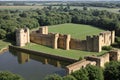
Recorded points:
(92, 43)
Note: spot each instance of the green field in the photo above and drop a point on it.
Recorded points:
(77, 31)
(3, 44)
(74, 54)
(20, 7)
(115, 10)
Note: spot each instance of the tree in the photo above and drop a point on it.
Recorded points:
(69, 77)
(53, 77)
(112, 71)
(81, 74)
(94, 72)
(84, 8)
(2, 33)
(9, 76)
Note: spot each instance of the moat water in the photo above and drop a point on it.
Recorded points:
(29, 66)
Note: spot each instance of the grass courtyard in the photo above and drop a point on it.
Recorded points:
(74, 54)
(77, 31)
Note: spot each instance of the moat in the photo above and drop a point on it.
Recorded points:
(29, 66)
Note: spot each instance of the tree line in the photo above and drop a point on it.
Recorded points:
(97, 4)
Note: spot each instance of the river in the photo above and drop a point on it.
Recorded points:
(29, 66)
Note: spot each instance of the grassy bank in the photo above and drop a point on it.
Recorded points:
(77, 31)
(75, 54)
(3, 44)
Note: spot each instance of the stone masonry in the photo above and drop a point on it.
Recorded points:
(22, 37)
(41, 36)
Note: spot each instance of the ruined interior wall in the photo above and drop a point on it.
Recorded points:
(78, 44)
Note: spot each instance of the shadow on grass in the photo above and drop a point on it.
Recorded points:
(10, 41)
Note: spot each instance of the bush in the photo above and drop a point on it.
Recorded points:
(94, 72)
(2, 33)
(53, 77)
(9, 76)
(117, 39)
(112, 71)
(69, 77)
(81, 74)
(80, 58)
(108, 48)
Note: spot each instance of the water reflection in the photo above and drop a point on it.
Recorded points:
(25, 57)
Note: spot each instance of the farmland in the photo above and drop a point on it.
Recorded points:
(115, 10)
(20, 7)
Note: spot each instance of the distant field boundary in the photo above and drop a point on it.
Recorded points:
(43, 54)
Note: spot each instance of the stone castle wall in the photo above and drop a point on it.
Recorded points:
(78, 44)
(90, 60)
(92, 43)
(78, 65)
(115, 55)
(43, 39)
(64, 41)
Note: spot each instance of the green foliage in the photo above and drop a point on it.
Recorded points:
(81, 74)
(69, 77)
(94, 72)
(80, 58)
(9, 76)
(108, 48)
(112, 71)
(84, 8)
(117, 42)
(53, 77)
(117, 39)
(2, 33)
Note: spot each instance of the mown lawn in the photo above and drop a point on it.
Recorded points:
(3, 44)
(75, 54)
(77, 31)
